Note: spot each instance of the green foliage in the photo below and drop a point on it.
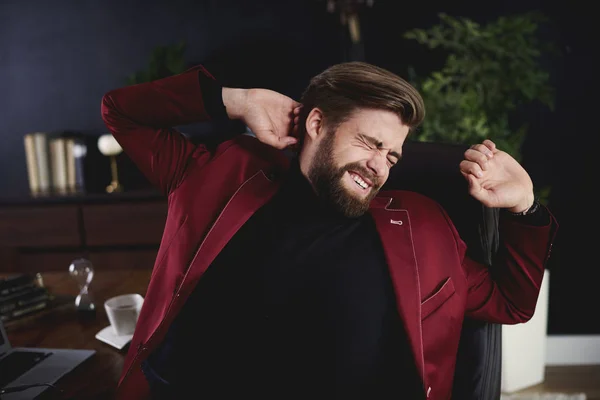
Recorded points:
(164, 61)
(490, 71)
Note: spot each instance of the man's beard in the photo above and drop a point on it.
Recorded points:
(326, 178)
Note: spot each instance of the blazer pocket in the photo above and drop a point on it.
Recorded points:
(436, 300)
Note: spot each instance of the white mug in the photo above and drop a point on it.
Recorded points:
(123, 312)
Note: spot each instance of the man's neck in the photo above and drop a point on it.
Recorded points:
(304, 163)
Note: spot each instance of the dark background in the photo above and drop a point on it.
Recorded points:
(58, 58)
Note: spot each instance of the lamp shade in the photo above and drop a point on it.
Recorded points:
(108, 145)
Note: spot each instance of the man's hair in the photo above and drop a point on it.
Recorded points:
(344, 88)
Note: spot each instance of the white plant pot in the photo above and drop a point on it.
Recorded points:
(524, 347)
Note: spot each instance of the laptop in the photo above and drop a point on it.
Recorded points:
(27, 372)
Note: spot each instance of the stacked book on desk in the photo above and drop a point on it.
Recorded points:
(21, 295)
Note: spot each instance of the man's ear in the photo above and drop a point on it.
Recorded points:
(314, 123)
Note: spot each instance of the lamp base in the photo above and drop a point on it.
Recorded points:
(114, 187)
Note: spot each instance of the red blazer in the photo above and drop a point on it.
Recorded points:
(211, 194)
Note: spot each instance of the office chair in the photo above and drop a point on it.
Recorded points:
(432, 169)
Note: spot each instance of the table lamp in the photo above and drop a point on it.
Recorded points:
(109, 146)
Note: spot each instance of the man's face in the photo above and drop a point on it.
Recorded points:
(351, 164)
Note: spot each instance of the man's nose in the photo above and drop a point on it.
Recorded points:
(378, 164)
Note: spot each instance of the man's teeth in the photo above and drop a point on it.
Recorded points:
(360, 182)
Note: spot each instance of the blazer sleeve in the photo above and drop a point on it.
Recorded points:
(507, 292)
(142, 119)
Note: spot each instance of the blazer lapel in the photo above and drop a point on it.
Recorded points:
(251, 195)
(394, 229)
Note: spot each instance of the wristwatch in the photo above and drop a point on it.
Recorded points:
(534, 207)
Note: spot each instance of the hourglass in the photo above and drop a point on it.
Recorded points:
(82, 271)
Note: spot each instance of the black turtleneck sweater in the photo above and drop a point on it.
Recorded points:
(298, 305)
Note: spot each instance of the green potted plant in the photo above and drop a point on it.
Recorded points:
(164, 61)
(490, 71)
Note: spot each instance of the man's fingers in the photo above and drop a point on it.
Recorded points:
(283, 142)
(295, 130)
(474, 186)
(477, 157)
(490, 145)
(270, 138)
(483, 149)
(470, 167)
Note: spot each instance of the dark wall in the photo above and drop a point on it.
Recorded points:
(58, 58)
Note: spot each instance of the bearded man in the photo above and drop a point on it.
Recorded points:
(297, 278)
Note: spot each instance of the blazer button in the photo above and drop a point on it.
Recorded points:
(428, 391)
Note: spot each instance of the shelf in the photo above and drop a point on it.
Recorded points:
(84, 198)
(120, 230)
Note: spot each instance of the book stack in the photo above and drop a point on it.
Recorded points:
(54, 163)
(64, 163)
(22, 295)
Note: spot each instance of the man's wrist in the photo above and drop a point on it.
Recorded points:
(523, 207)
(536, 215)
(234, 101)
(526, 211)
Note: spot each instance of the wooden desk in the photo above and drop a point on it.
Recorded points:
(97, 377)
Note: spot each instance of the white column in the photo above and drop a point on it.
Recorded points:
(524, 347)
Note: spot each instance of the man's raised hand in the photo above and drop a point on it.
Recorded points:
(270, 115)
(496, 179)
